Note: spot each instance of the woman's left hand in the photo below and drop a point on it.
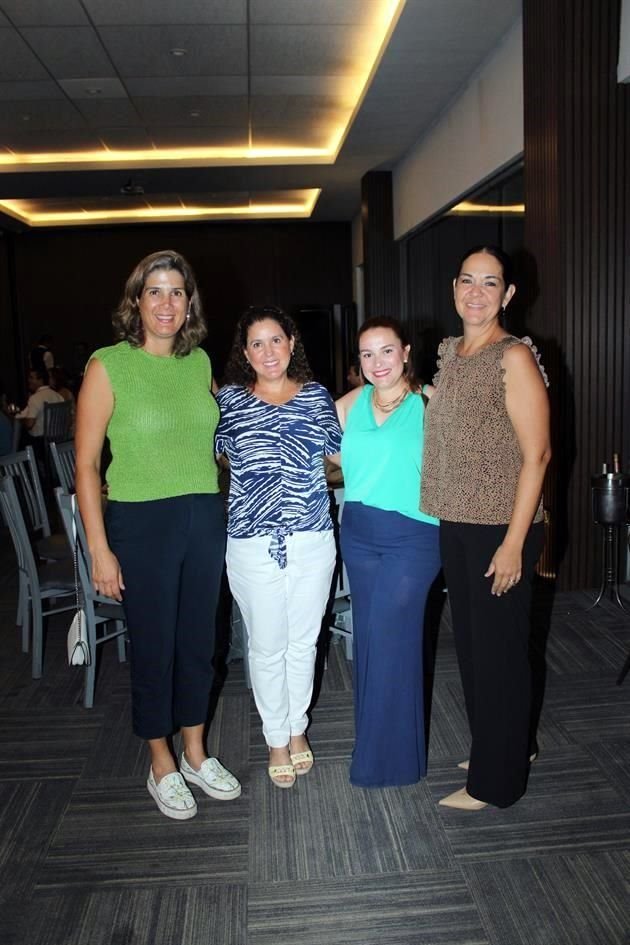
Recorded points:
(505, 569)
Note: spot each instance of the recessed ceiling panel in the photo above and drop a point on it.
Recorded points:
(125, 139)
(173, 137)
(309, 50)
(108, 113)
(69, 54)
(146, 51)
(17, 61)
(36, 13)
(38, 141)
(39, 116)
(226, 111)
(43, 90)
(305, 12)
(180, 86)
(93, 88)
(148, 12)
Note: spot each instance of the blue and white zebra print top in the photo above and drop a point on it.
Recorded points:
(276, 454)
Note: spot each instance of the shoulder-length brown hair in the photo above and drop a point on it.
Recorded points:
(384, 321)
(126, 319)
(239, 370)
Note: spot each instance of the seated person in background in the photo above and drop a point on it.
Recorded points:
(58, 380)
(41, 356)
(59, 383)
(354, 378)
(32, 416)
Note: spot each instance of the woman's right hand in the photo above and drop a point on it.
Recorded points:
(106, 574)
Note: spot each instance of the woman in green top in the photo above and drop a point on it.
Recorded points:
(160, 549)
(390, 550)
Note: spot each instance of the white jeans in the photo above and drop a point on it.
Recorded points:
(283, 610)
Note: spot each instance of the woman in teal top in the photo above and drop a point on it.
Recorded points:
(390, 550)
(161, 547)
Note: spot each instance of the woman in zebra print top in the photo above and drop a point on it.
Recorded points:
(276, 426)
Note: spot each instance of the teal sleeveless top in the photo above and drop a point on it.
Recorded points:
(382, 465)
(161, 431)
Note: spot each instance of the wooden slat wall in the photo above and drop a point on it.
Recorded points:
(577, 228)
(381, 268)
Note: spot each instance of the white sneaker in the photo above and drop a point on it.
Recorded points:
(172, 796)
(212, 778)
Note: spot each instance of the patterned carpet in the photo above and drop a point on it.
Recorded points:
(86, 859)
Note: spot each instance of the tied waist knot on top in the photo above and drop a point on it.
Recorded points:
(278, 545)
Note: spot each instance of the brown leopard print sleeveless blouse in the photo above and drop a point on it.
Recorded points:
(471, 460)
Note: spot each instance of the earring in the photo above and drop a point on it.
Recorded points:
(188, 315)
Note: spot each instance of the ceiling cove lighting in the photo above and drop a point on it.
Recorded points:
(300, 208)
(381, 27)
(162, 157)
(468, 208)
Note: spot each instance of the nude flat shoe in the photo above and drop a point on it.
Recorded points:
(279, 771)
(303, 759)
(461, 800)
(464, 764)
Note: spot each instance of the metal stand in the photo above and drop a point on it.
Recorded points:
(610, 580)
(610, 567)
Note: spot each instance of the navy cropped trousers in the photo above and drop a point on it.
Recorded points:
(171, 552)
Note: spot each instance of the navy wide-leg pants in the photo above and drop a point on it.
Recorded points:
(171, 552)
(391, 561)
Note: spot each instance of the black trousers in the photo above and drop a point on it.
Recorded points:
(171, 552)
(492, 642)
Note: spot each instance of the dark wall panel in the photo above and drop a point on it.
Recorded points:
(68, 282)
(577, 160)
(381, 265)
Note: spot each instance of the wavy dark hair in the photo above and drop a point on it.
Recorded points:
(503, 260)
(126, 319)
(378, 321)
(499, 254)
(238, 369)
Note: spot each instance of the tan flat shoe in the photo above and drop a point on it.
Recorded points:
(303, 759)
(461, 800)
(282, 771)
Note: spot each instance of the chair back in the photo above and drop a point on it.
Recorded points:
(22, 467)
(58, 422)
(100, 612)
(17, 434)
(73, 527)
(63, 459)
(14, 519)
(342, 584)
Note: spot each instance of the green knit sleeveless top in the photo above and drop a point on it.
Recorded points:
(161, 431)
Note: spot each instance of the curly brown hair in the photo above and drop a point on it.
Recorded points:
(394, 325)
(126, 319)
(238, 369)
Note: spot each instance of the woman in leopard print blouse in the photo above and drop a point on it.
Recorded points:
(485, 455)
